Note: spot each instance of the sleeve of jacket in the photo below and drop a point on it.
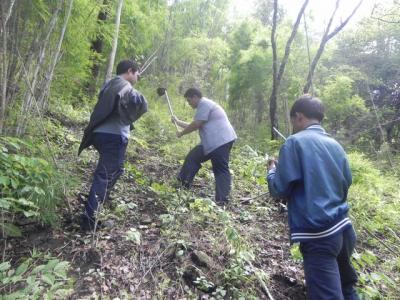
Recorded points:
(287, 172)
(132, 106)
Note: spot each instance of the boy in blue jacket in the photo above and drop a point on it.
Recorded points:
(314, 174)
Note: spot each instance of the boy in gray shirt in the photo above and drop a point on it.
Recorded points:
(217, 136)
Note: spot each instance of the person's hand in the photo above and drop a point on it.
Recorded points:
(271, 163)
(174, 119)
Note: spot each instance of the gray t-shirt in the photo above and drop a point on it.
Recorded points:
(217, 130)
(114, 125)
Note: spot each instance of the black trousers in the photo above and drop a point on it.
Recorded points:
(220, 165)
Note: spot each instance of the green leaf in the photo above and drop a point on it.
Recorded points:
(133, 235)
(4, 180)
(37, 269)
(4, 203)
(5, 266)
(31, 281)
(30, 213)
(51, 264)
(39, 191)
(48, 278)
(11, 230)
(26, 189)
(61, 269)
(23, 267)
(25, 202)
(14, 183)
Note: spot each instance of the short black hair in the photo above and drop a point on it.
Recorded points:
(309, 106)
(193, 92)
(124, 65)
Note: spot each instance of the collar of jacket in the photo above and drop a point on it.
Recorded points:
(317, 127)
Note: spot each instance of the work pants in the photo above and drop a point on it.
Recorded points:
(220, 165)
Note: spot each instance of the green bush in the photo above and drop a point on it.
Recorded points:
(374, 196)
(375, 202)
(33, 280)
(29, 185)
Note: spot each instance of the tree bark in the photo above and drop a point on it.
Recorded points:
(26, 106)
(272, 99)
(260, 107)
(277, 76)
(97, 48)
(115, 41)
(50, 72)
(325, 38)
(5, 14)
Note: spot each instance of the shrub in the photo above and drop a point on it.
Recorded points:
(29, 185)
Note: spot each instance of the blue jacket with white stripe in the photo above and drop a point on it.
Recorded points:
(314, 174)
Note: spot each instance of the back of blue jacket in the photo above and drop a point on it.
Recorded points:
(313, 173)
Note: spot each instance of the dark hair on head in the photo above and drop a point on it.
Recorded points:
(309, 106)
(124, 65)
(193, 92)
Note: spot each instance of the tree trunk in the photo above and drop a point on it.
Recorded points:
(260, 108)
(277, 76)
(325, 38)
(50, 72)
(287, 115)
(97, 48)
(29, 95)
(5, 14)
(115, 41)
(4, 72)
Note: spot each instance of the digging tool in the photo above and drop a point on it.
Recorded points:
(147, 64)
(279, 133)
(161, 92)
(148, 61)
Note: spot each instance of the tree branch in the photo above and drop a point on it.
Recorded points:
(326, 37)
(340, 27)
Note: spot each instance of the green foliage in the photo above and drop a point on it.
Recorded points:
(341, 102)
(38, 277)
(134, 173)
(133, 235)
(296, 253)
(374, 196)
(250, 165)
(375, 202)
(29, 185)
(372, 283)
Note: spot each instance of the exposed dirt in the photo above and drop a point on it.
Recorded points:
(118, 267)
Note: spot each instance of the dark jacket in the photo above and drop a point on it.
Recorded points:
(116, 97)
(314, 173)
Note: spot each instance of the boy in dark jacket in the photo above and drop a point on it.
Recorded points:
(314, 174)
(118, 106)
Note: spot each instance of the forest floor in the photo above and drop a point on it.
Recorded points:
(160, 242)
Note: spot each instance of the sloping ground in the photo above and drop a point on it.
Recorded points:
(166, 243)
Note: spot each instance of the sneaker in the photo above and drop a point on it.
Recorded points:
(222, 204)
(82, 198)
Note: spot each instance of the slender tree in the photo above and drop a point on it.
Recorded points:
(325, 38)
(97, 48)
(277, 75)
(29, 96)
(5, 13)
(48, 77)
(115, 41)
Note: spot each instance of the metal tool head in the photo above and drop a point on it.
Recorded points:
(161, 91)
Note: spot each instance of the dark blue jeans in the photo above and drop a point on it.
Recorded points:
(111, 148)
(327, 267)
(220, 165)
